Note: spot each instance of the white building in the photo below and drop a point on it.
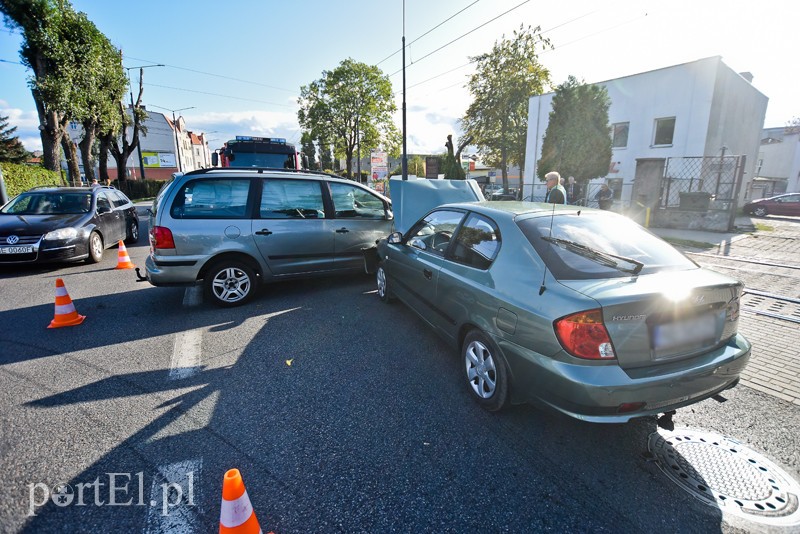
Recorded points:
(778, 165)
(688, 110)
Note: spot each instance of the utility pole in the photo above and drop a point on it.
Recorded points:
(130, 85)
(405, 153)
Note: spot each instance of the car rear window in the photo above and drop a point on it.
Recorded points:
(603, 232)
(220, 198)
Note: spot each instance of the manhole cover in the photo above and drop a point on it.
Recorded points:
(723, 473)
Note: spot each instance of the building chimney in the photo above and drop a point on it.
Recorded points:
(747, 76)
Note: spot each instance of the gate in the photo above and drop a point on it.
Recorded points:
(705, 182)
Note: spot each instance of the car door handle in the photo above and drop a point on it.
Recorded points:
(264, 232)
(342, 231)
(428, 274)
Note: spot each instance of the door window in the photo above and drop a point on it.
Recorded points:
(102, 201)
(355, 203)
(218, 198)
(477, 242)
(291, 199)
(433, 233)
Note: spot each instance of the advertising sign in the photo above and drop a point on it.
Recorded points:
(158, 159)
(379, 162)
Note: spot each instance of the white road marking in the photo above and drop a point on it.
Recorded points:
(193, 296)
(174, 498)
(186, 354)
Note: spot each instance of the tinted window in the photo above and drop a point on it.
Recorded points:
(604, 232)
(212, 199)
(477, 242)
(102, 200)
(433, 233)
(291, 199)
(353, 202)
(118, 199)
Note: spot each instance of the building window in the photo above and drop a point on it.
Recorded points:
(664, 130)
(619, 135)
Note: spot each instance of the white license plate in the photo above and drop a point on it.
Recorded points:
(16, 250)
(685, 333)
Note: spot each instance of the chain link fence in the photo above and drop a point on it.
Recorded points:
(701, 183)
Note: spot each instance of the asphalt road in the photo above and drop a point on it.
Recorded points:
(343, 414)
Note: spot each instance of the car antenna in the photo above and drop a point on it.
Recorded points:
(544, 274)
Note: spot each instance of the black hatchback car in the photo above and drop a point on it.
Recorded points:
(53, 224)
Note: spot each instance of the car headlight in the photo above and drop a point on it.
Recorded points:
(61, 234)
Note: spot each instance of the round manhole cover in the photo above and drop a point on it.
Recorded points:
(728, 475)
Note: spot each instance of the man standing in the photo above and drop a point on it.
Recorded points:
(604, 197)
(555, 191)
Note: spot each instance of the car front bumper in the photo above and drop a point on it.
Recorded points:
(597, 393)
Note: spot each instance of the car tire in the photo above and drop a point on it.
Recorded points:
(384, 292)
(760, 211)
(230, 283)
(132, 236)
(486, 371)
(95, 248)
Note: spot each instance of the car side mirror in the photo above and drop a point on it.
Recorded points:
(395, 238)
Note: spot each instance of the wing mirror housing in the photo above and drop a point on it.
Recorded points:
(395, 238)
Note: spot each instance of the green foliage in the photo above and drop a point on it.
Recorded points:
(136, 189)
(577, 141)
(308, 149)
(11, 148)
(20, 178)
(451, 167)
(504, 81)
(352, 102)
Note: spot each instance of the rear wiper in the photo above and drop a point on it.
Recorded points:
(603, 258)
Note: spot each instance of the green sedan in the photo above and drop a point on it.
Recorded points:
(577, 310)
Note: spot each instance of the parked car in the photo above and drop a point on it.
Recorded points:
(780, 205)
(575, 309)
(51, 224)
(233, 229)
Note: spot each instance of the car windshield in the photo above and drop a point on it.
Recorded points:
(586, 245)
(50, 203)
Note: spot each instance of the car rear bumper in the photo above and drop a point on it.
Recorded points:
(596, 393)
(172, 272)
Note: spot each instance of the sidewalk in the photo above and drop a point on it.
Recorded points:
(744, 225)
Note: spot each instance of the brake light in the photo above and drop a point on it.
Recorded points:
(161, 238)
(584, 335)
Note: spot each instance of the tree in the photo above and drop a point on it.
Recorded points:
(325, 158)
(309, 150)
(451, 166)
(116, 141)
(577, 141)
(503, 82)
(11, 149)
(351, 103)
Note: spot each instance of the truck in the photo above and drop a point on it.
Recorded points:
(267, 152)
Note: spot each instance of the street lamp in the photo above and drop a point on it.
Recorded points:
(139, 144)
(175, 125)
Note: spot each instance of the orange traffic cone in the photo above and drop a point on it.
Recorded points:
(65, 309)
(123, 260)
(237, 514)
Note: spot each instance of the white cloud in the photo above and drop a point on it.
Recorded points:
(27, 123)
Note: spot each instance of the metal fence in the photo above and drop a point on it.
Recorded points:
(706, 182)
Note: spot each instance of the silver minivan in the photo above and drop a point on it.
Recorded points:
(233, 229)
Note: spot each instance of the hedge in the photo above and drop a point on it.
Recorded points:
(136, 189)
(20, 178)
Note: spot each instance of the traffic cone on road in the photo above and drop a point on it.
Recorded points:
(65, 315)
(237, 514)
(123, 260)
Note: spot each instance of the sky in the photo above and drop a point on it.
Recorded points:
(238, 66)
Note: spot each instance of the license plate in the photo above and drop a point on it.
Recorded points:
(685, 333)
(16, 250)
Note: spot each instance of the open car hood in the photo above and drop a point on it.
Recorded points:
(413, 198)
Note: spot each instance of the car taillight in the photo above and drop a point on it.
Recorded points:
(584, 335)
(161, 238)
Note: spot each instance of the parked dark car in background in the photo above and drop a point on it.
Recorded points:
(52, 224)
(579, 310)
(788, 204)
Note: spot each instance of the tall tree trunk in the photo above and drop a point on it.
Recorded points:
(105, 146)
(86, 144)
(71, 154)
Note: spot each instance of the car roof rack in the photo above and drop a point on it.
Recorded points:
(260, 170)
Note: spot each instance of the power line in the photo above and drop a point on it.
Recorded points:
(216, 75)
(12, 62)
(427, 32)
(219, 95)
(464, 35)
